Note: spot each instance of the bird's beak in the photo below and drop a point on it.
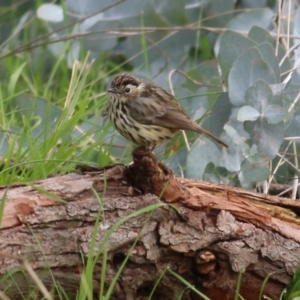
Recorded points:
(111, 91)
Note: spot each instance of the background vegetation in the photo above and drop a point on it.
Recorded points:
(232, 64)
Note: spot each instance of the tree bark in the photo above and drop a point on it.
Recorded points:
(207, 235)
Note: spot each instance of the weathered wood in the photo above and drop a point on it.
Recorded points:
(209, 234)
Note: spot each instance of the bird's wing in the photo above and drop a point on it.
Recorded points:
(151, 112)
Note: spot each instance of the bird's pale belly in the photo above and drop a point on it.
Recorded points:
(141, 134)
(148, 135)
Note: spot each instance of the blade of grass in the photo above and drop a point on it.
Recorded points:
(144, 45)
(238, 286)
(181, 279)
(151, 209)
(157, 283)
(37, 280)
(2, 205)
(86, 285)
(47, 193)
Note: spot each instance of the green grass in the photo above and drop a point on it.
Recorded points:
(50, 114)
(44, 135)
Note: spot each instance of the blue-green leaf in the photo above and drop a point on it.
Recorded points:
(177, 162)
(262, 17)
(246, 70)
(247, 113)
(220, 114)
(274, 114)
(232, 45)
(261, 36)
(267, 137)
(259, 95)
(50, 12)
(255, 168)
(233, 157)
(268, 55)
(203, 152)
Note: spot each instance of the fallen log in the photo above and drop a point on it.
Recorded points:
(160, 225)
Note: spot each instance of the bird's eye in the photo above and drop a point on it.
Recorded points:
(127, 90)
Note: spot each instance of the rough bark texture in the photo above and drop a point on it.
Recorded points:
(208, 234)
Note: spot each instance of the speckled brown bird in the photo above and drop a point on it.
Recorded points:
(146, 114)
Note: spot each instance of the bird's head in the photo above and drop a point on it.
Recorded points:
(127, 87)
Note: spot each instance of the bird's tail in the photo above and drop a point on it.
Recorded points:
(201, 130)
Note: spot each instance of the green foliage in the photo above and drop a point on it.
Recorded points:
(242, 73)
(233, 75)
(292, 291)
(188, 285)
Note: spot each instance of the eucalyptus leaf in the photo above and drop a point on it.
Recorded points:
(198, 105)
(231, 46)
(267, 137)
(233, 157)
(261, 36)
(246, 184)
(195, 105)
(252, 3)
(214, 91)
(193, 10)
(267, 53)
(274, 114)
(259, 95)
(277, 91)
(232, 160)
(206, 71)
(246, 70)
(235, 137)
(255, 168)
(101, 41)
(293, 129)
(177, 162)
(203, 152)
(217, 13)
(210, 173)
(124, 11)
(131, 48)
(247, 113)
(173, 11)
(262, 17)
(220, 114)
(219, 174)
(84, 8)
(238, 126)
(50, 12)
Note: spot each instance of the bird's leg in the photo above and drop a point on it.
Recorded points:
(148, 175)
